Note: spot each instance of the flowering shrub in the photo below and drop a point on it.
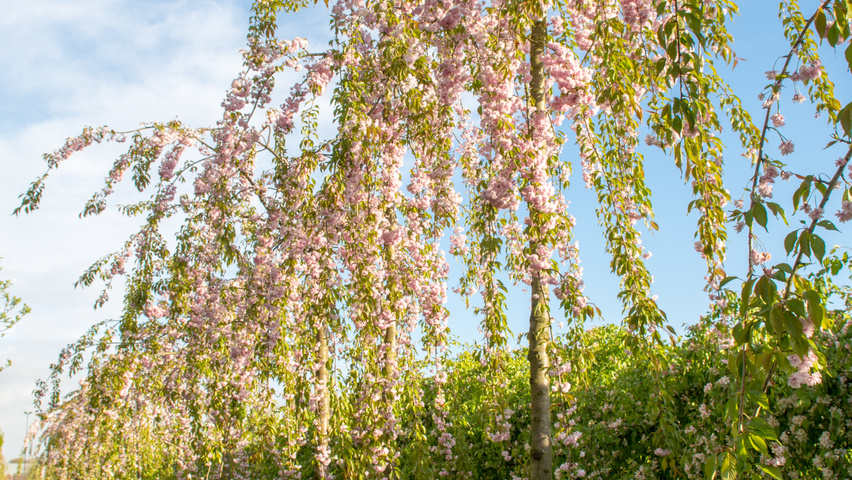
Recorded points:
(608, 429)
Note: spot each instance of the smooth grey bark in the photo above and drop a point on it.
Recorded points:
(541, 450)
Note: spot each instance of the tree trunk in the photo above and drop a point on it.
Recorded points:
(390, 368)
(390, 355)
(325, 400)
(541, 451)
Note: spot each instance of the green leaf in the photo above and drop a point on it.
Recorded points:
(726, 281)
(671, 50)
(812, 296)
(840, 9)
(742, 446)
(804, 242)
(793, 325)
(777, 210)
(660, 66)
(677, 122)
(773, 472)
(740, 333)
(833, 34)
(761, 427)
(759, 397)
(803, 192)
(766, 289)
(745, 297)
(784, 267)
(790, 241)
(849, 55)
(759, 212)
(817, 314)
(758, 443)
(844, 116)
(710, 467)
(818, 246)
(828, 225)
(796, 306)
(693, 150)
(776, 319)
(732, 408)
(729, 466)
(819, 23)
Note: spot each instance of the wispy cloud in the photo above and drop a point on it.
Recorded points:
(66, 65)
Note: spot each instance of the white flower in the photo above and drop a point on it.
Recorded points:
(825, 440)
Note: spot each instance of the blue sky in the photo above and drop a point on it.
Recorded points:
(120, 63)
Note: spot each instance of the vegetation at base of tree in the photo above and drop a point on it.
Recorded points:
(603, 424)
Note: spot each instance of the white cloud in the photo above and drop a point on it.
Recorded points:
(76, 58)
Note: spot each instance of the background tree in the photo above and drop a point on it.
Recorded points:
(11, 312)
(3, 465)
